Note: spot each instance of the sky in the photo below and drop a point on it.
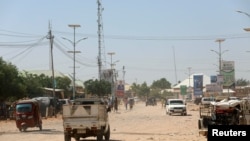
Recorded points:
(151, 39)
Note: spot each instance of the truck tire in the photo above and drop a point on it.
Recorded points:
(107, 134)
(40, 127)
(99, 137)
(67, 137)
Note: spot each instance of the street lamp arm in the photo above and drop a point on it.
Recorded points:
(81, 40)
(68, 40)
(224, 51)
(215, 52)
(244, 13)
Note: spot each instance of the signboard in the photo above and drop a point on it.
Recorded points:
(198, 85)
(183, 89)
(107, 75)
(213, 79)
(213, 88)
(120, 89)
(228, 72)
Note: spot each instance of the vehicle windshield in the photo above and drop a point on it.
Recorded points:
(176, 102)
(22, 108)
(208, 99)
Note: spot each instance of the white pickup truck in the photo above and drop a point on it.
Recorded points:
(176, 106)
(85, 118)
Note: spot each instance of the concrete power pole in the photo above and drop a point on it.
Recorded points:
(101, 50)
(51, 38)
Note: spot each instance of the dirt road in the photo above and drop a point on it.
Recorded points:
(142, 123)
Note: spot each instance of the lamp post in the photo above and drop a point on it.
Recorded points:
(220, 53)
(189, 86)
(74, 26)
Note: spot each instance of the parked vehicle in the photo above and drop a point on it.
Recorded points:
(28, 115)
(64, 101)
(224, 112)
(176, 106)
(85, 118)
(49, 106)
(151, 101)
(207, 100)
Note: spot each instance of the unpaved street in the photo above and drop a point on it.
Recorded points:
(139, 124)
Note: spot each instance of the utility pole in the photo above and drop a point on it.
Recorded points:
(101, 50)
(124, 84)
(123, 68)
(51, 37)
(189, 87)
(175, 66)
(112, 74)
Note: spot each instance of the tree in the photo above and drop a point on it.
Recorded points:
(35, 83)
(161, 84)
(242, 82)
(11, 84)
(96, 87)
(144, 90)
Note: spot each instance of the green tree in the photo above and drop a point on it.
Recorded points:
(96, 87)
(161, 84)
(11, 84)
(135, 88)
(34, 84)
(158, 86)
(144, 90)
(62, 83)
(242, 82)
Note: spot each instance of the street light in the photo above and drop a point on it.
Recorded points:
(220, 53)
(74, 26)
(246, 29)
(189, 87)
(244, 13)
(112, 74)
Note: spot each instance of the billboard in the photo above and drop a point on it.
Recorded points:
(120, 89)
(228, 73)
(215, 86)
(198, 85)
(183, 89)
(107, 75)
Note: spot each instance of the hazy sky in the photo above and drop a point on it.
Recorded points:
(152, 39)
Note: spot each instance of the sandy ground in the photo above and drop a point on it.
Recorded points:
(142, 123)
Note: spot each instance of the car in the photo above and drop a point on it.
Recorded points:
(176, 106)
(207, 100)
(233, 98)
(65, 101)
(151, 101)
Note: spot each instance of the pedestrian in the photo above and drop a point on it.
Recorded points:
(126, 103)
(116, 104)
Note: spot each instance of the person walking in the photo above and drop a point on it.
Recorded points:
(116, 104)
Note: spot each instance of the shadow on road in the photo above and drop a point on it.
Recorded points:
(95, 140)
(35, 131)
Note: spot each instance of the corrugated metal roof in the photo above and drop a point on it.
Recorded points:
(189, 81)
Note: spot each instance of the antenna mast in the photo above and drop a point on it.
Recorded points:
(101, 49)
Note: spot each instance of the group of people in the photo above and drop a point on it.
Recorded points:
(112, 104)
